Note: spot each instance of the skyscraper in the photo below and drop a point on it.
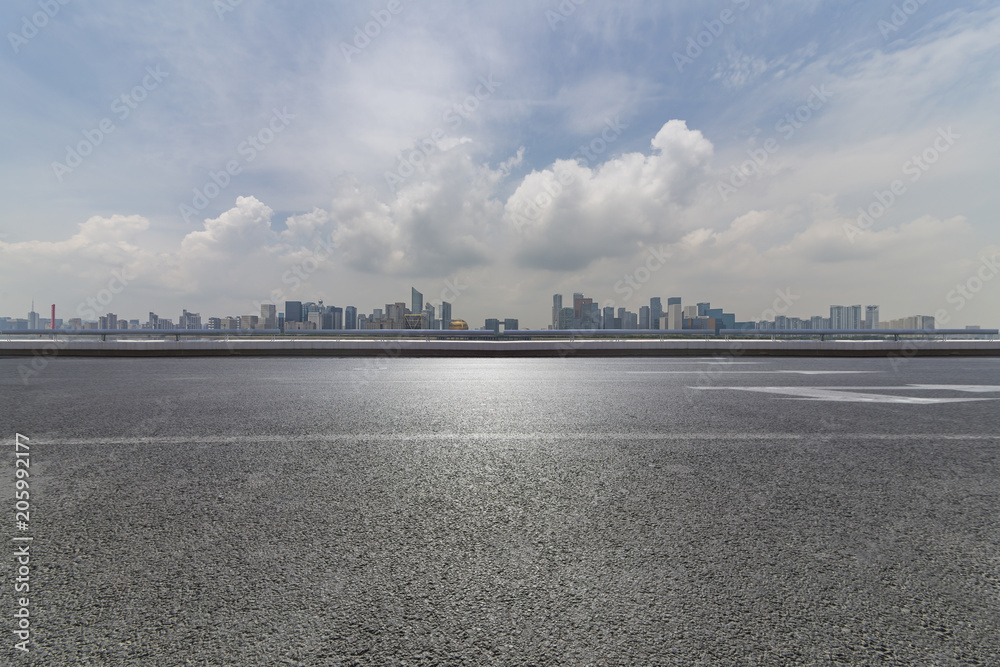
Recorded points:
(416, 301)
(556, 307)
(350, 317)
(268, 316)
(854, 317)
(643, 317)
(293, 311)
(655, 312)
(871, 317)
(674, 313)
(609, 318)
(445, 315)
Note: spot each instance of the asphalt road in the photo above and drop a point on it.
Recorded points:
(462, 511)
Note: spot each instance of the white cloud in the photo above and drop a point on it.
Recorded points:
(569, 214)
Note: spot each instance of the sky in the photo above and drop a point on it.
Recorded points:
(768, 157)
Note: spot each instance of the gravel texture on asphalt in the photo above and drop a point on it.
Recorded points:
(477, 512)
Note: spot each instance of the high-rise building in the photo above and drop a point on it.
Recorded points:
(428, 317)
(350, 317)
(556, 307)
(493, 324)
(416, 301)
(608, 321)
(336, 317)
(643, 317)
(838, 317)
(855, 318)
(703, 308)
(655, 312)
(445, 315)
(675, 314)
(871, 317)
(269, 316)
(33, 317)
(568, 319)
(189, 320)
(293, 311)
(510, 324)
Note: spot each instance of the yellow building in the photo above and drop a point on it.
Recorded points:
(459, 325)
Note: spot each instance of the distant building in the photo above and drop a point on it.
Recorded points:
(493, 324)
(445, 315)
(293, 311)
(458, 325)
(510, 324)
(268, 316)
(871, 317)
(350, 317)
(556, 307)
(643, 317)
(189, 320)
(608, 318)
(675, 315)
(416, 301)
(655, 312)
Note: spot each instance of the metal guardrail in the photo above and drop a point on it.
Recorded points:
(481, 334)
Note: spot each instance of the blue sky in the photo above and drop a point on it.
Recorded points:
(246, 152)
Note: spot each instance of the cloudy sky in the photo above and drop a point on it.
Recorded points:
(215, 155)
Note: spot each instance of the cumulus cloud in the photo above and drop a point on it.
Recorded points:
(443, 218)
(570, 214)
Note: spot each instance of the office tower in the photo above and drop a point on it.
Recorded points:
(675, 314)
(350, 317)
(871, 317)
(269, 316)
(643, 317)
(336, 317)
(445, 315)
(416, 301)
(590, 315)
(32, 317)
(214, 323)
(493, 323)
(510, 324)
(609, 318)
(579, 301)
(655, 312)
(293, 311)
(428, 317)
(556, 307)
(568, 319)
(703, 308)
(816, 322)
(248, 321)
(362, 321)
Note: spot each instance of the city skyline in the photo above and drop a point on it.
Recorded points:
(495, 154)
(584, 314)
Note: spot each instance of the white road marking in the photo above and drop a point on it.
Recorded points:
(845, 394)
(523, 437)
